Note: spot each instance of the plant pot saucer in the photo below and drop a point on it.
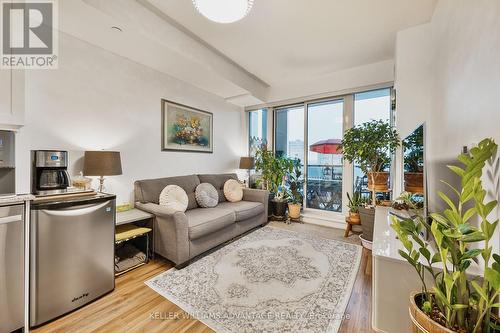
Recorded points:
(278, 218)
(366, 243)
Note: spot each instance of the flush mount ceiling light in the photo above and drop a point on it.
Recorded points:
(223, 11)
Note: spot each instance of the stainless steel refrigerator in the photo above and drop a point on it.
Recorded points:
(11, 267)
(72, 254)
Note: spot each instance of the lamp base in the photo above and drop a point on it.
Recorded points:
(101, 184)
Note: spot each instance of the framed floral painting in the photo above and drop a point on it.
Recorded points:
(185, 128)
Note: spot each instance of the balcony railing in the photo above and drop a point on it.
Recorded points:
(324, 187)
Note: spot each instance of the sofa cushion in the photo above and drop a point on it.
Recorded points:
(243, 209)
(174, 199)
(149, 190)
(206, 195)
(218, 182)
(233, 191)
(204, 221)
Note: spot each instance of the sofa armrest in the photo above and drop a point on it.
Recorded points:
(157, 210)
(250, 194)
(171, 234)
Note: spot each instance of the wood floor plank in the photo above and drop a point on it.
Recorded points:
(130, 306)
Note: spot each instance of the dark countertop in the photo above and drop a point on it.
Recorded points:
(71, 201)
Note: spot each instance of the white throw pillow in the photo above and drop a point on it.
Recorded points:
(206, 195)
(233, 190)
(174, 199)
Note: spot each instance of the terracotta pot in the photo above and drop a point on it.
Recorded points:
(381, 181)
(294, 210)
(421, 323)
(354, 218)
(414, 182)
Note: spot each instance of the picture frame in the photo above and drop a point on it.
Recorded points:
(185, 129)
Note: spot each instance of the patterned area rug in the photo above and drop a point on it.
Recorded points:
(271, 280)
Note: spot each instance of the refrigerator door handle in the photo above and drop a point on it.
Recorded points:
(10, 219)
(78, 211)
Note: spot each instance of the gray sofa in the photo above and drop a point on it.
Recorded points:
(180, 237)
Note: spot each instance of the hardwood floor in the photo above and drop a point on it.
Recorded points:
(359, 308)
(132, 307)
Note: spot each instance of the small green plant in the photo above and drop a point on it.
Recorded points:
(464, 303)
(371, 146)
(355, 202)
(272, 168)
(295, 183)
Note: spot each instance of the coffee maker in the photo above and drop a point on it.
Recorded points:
(49, 172)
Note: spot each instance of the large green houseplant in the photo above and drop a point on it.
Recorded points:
(456, 301)
(273, 170)
(371, 146)
(295, 190)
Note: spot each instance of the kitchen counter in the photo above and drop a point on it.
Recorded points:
(14, 199)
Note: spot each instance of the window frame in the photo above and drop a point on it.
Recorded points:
(318, 216)
(265, 129)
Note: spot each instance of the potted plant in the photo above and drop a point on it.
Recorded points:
(413, 150)
(273, 170)
(354, 203)
(280, 203)
(295, 189)
(371, 146)
(456, 301)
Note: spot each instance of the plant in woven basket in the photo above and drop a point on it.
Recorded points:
(456, 300)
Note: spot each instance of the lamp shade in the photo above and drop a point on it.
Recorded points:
(102, 163)
(247, 163)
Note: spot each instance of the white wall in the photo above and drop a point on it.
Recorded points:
(463, 85)
(332, 83)
(98, 100)
(413, 84)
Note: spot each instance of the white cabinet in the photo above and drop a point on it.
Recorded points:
(393, 278)
(11, 98)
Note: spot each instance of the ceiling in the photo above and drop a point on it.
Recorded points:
(283, 41)
(283, 49)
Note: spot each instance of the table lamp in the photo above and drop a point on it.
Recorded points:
(247, 163)
(102, 163)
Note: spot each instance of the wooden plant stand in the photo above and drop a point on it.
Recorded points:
(349, 225)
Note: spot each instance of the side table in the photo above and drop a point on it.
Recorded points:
(131, 225)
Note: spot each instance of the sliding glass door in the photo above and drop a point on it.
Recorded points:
(289, 132)
(370, 105)
(317, 150)
(312, 131)
(324, 159)
(257, 130)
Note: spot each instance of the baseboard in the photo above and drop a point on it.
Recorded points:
(330, 223)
